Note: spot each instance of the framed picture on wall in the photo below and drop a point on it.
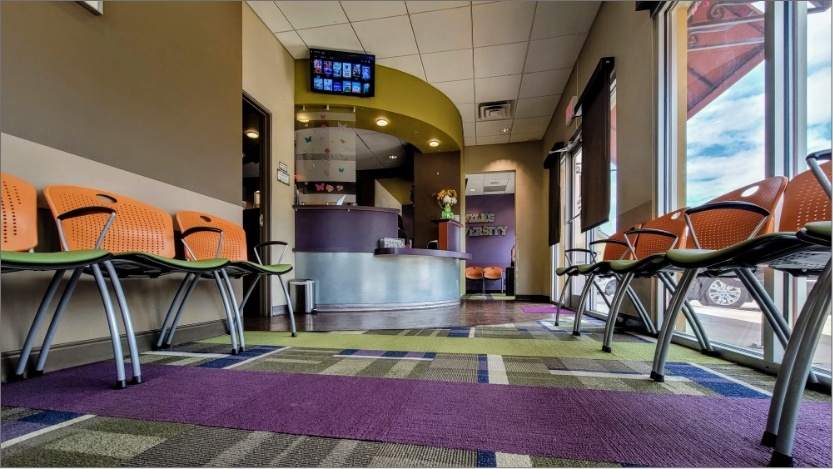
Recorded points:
(97, 8)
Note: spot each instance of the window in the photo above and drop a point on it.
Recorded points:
(747, 93)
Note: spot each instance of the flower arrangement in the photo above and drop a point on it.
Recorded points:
(446, 197)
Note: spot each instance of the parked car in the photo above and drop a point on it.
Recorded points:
(723, 292)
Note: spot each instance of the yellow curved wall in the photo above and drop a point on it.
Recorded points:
(416, 111)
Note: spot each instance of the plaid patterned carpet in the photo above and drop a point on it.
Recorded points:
(532, 354)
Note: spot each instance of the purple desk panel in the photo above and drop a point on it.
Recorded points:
(342, 228)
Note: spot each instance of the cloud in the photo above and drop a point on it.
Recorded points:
(818, 37)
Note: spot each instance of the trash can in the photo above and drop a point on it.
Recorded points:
(302, 295)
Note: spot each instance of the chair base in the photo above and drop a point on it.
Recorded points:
(294, 335)
(658, 377)
(36, 373)
(768, 439)
(136, 380)
(15, 378)
(555, 323)
(710, 353)
(780, 460)
(121, 384)
(606, 349)
(577, 333)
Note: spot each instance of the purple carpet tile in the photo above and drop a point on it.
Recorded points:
(544, 309)
(622, 427)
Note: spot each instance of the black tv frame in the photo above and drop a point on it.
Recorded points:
(318, 71)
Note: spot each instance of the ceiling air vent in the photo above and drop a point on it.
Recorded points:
(494, 188)
(495, 110)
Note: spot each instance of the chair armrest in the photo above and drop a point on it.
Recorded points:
(650, 231)
(724, 205)
(84, 211)
(270, 243)
(202, 229)
(813, 162)
(567, 253)
(625, 243)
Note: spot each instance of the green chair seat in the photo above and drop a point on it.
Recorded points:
(254, 268)
(649, 265)
(772, 249)
(168, 264)
(12, 260)
(819, 229)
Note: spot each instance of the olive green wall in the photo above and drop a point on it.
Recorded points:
(149, 87)
(628, 36)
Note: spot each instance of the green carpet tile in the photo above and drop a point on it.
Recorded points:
(580, 347)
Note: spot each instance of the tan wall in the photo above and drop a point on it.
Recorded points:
(532, 276)
(269, 78)
(137, 88)
(628, 36)
(132, 101)
(432, 173)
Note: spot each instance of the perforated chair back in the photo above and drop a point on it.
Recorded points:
(474, 273)
(204, 244)
(493, 273)
(616, 251)
(805, 201)
(672, 222)
(136, 227)
(717, 229)
(19, 214)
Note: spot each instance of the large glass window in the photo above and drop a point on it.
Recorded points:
(720, 136)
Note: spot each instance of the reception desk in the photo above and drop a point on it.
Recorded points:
(337, 246)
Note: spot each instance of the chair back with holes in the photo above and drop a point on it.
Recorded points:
(474, 273)
(805, 201)
(672, 222)
(136, 227)
(717, 229)
(19, 214)
(616, 251)
(204, 244)
(493, 273)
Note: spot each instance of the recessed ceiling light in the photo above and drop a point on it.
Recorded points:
(472, 190)
(393, 157)
(303, 120)
(434, 143)
(381, 122)
(504, 130)
(252, 134)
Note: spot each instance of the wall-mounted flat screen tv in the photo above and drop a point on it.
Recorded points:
(344, 73)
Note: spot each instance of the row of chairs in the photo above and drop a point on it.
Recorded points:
(483, 274)
(112, 236)
(731, 236)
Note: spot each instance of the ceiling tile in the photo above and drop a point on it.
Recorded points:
(531, 124)
(495, 61)
(469, 141)
(448, 66)
(562, 18)
(468, 129)
(420, 6)
(536, 107)
(459, 92)
(303, 15)
(496, 88)
(544, 83)
(487, 128)
(502, 22)
(338, 37)
(387, 37)
(271, 16)
(492, 140)
(466, 112)
(293, 44)
(360, 11)
(554, 53)
(525, 137)
(406, 63)
(443, 30)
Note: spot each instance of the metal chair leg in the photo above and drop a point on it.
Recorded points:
(23, 361)
(288, 306)
(229, 318)
(610, 323)
(170, 337)
(233, 301)
(667, 332)
(56, 319)
(169, 317)
(121, 381)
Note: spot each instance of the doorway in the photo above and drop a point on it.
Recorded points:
(490, 235)
(256, 196)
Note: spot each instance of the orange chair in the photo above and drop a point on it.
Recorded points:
(476, 273)
(19, 227)
(493, 273)
(209, 237)
(140, 237)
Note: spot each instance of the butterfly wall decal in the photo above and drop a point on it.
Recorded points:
(343, 141)
(308, 139)
(340, 170)
(323, 116)
(327, 151)
(319, 187)
(329, 188)
(339, 187)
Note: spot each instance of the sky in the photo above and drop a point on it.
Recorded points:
(726, 139)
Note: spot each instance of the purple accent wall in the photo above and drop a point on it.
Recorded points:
(491, 250)
(340, 228)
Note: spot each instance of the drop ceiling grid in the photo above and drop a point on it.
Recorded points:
(473, 52)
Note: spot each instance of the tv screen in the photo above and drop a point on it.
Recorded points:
(346, 73)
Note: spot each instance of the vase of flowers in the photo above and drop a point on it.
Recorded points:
(445, 199)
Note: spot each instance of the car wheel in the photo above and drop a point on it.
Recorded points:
(610, 288)
(718, 293)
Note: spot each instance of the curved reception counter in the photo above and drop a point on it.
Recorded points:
(337, 246)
